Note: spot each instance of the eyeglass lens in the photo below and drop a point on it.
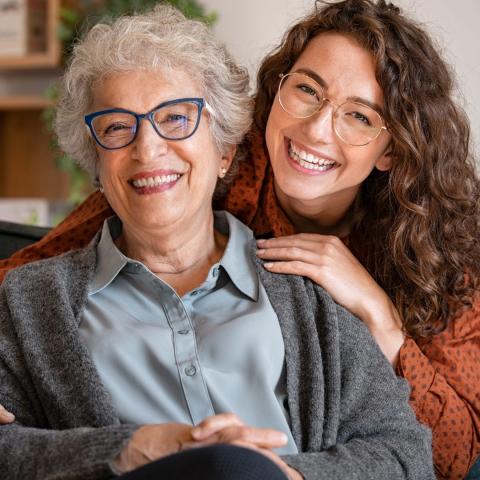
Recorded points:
(173, 122)
(355, 123)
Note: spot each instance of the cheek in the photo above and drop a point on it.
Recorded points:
(273, 136)
(360, 163)
(109, 168)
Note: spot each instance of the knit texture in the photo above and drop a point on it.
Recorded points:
(349, 412)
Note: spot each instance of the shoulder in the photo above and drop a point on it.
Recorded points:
(300, 298)
(68, 272)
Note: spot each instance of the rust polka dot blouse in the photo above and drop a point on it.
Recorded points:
(444, 373)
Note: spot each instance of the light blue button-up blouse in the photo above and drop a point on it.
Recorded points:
(163, 358)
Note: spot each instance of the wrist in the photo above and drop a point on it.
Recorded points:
(379, 313)
(129, 457)
(384, 322)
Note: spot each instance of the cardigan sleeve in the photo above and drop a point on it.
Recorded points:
(378, 435)
(39, 445)
(78, 453)
(444, 375)
(349, 412)
(75, 231)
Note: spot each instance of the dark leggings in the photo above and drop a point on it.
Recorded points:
(219, 462)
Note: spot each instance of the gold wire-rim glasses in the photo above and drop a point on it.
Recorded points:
(336, 109)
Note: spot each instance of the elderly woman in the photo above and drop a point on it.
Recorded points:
(165, 333)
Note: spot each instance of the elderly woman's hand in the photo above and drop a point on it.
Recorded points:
(229, 428)
(151, 442)
(5, 416)
(327, 261)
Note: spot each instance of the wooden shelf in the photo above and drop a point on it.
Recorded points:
(24, 102)
(27, 165)
(31, 61)
(48, 59)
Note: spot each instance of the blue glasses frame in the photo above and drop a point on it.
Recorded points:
(200, 102)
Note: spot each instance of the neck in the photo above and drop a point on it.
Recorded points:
(181, 257)
(332, 215)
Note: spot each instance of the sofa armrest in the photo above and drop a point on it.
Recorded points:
(14, 236)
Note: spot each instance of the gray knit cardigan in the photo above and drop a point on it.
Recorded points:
(349, 413)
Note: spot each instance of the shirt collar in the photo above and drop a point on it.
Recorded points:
(110, 260)
(236, 260)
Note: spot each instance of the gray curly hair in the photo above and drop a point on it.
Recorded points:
(161, 38)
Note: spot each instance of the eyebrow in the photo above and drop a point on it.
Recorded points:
(324, 84)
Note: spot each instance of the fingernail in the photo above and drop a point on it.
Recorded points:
(10, 417)
(196, 432)
(260, 251)
(261, 240)
(268, 265)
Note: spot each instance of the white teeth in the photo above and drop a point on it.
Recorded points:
(311, 166)
(155, 181)
(308, 160)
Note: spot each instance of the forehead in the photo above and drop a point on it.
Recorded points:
(346, 67)
(142, 90)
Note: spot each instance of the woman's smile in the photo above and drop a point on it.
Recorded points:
(305, 161)
(146, 183)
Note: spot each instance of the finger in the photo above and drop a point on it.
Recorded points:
(327, 248)
(295, 267)
(291, 254)
(6, 416)
(259, 437)
(310, 238)
(215, 423)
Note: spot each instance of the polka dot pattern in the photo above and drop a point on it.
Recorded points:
(444, 373)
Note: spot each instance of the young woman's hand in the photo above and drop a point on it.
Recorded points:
(329, 263)
(229, 428)
(5, 416)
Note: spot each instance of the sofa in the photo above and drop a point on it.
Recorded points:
(14, 236)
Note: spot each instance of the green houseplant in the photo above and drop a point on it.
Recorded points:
(73, 20)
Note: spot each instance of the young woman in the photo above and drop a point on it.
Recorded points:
(359, 165)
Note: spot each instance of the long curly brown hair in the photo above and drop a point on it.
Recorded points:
(418, 232)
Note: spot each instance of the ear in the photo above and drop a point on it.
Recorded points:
(227, 157)
(384, 162)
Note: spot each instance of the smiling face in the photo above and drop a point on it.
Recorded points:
(314, 169)
(156, 183)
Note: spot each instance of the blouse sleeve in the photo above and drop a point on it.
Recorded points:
(74, 232)
(444, 375)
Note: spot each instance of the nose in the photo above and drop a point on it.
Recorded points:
(148, 144)
(319, 127)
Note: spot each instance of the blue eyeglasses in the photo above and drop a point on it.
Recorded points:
(173, 120)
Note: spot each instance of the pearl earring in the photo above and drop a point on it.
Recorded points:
(223, 172)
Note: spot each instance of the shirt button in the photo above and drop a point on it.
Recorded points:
(184, 331)
(190, 371)
(215, 271)
(195, 292)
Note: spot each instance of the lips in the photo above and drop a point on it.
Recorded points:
(308, 160)
(154, 181)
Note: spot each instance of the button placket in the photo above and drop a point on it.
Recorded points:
(186, 357)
